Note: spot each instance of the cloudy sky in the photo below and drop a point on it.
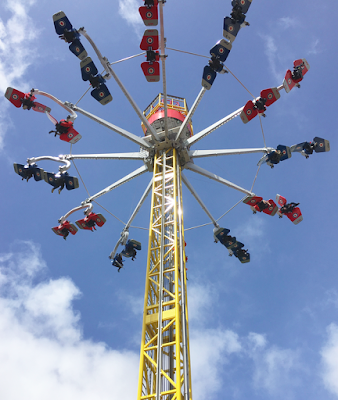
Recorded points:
(70, 325)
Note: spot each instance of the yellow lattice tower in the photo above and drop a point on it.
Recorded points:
(165, 358)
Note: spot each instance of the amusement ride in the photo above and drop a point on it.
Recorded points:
(166, 149)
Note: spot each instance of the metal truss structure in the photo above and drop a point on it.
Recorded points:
(165, 150)
(164, 364)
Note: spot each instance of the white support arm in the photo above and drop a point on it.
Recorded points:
(140, 114)
(102, 59)
(216, 125)
(139, 205)
(120, 182)
(106, 65)
(211, 128)
(108, 156)
(190, 113)
(212, 153)
(88, 206)
(136, 139)
(61, 158)
(125, 233)
(262, 160)
(210, 175)
(59, 102)
(112, 254)
(200, 202)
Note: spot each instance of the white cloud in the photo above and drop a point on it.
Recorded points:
(271, 51)
(275, 49)
(48, 310)
(329, 354)
(16, 48)
(254, 234)
(274, 368)
(135, 303)
(128, 9)
(314, 47)
(217, 352)
(209, 351)
(331, 298)
(257, 341)
(199, 305)
(288, 22)
(209, 348)
(42, 351)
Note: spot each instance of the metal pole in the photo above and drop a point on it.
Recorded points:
(106, 65)
(164, 78)
(160, 294)
(211, 128)
(200, 202)
(183, 288)
(191, 112)
(118, 183)
(136, 139)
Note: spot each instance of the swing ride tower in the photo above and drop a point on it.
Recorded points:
(164, 356)
(165, 150)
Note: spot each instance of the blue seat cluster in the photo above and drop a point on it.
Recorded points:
(221, 50)
(318, 145)
(128, 251)
(235, 247)
(232, 24)
(89, 72)
(66, 32)
(57, 180)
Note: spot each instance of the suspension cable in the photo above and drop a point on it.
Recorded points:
(260, 120)
(240, 82)
(255, 179)
(109, 212)
(114, 62)
(231, 208)
(187, 52)
(81, 178)
(95, 200)
(211, 223)
(139, 227)
(200, 55)
(198, 226)
(83, 96)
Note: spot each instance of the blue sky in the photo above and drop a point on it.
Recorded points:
(70, 324)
